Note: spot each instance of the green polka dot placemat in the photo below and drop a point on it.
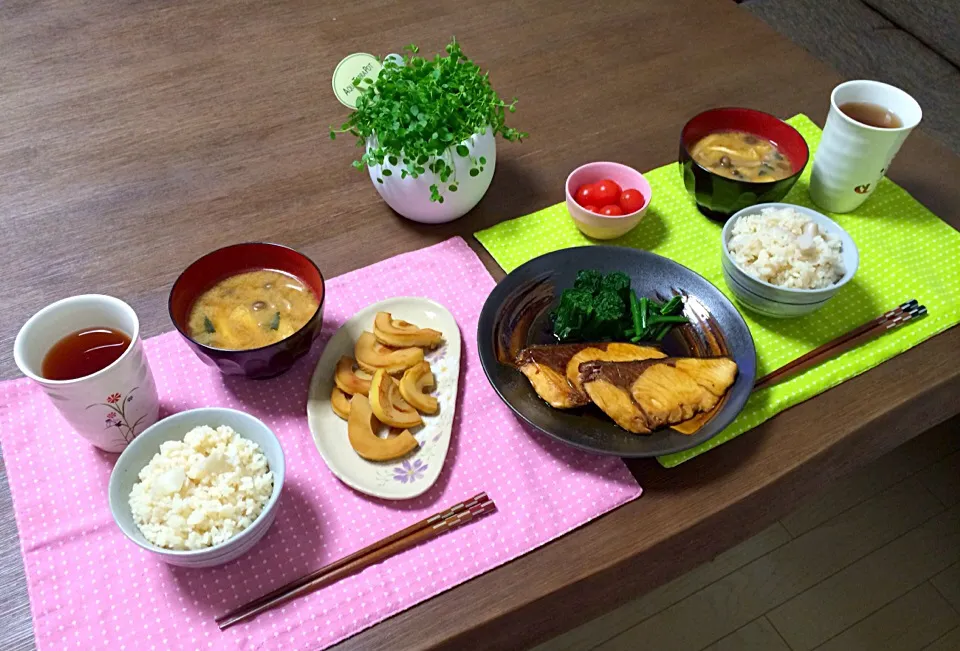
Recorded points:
(905, 252)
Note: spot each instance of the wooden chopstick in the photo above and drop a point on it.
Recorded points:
(886, 321)
(402, 540)
(417, 526)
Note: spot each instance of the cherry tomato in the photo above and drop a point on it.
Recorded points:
(607, 192)
(586, 194)
(631, 201)
(591, 209)
(611, 211)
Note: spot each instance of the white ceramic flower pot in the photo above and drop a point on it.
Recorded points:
(411, 196)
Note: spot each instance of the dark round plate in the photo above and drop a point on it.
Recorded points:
(516, 314)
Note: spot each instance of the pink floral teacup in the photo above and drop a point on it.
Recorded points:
(108, 408)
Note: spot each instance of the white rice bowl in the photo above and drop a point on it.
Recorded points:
(784, 247)
(201, 491)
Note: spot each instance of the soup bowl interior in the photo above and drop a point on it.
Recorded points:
(718, 197)
(266, 361)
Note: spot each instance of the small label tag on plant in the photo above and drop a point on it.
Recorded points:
(358, 66)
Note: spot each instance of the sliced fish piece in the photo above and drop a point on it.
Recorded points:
(716, 374)
(553, 369)
(693, 425)
(553, 387)
(667, 395)
(641, 396)
(545, 368)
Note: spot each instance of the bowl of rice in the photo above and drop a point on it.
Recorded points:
(199, 488)
(783, 260)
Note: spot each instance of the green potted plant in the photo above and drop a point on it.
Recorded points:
(428, 130)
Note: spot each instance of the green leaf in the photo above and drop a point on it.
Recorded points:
(463, 151)
(387, 173)
(208, 325)
(474, 171)
(275, 321)
(421, 110)
(483, 160)
(379, 180)
(452, 187)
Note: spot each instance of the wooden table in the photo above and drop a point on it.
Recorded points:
(139, 135)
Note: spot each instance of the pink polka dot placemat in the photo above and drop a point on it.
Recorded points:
(91, 588)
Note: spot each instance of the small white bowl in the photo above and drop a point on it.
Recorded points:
(144, 447)
(784, 302)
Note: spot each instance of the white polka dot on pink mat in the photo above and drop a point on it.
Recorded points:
(91, 588)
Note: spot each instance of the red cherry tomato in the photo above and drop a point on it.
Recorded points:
(631, 201)
(611, 211)
(586, 194)
(591, 209)
(607, 192)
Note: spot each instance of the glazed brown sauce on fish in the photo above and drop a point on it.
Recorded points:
(621, 374)
(83, 353)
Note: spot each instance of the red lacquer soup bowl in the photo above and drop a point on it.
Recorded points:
(718, 197)
(266, 361)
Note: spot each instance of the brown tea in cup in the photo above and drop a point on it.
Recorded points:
(83, 353)
(872, 115)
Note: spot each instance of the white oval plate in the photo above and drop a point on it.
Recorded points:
(412, 475)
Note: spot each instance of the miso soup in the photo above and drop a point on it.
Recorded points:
(251, 310)
(742, 156)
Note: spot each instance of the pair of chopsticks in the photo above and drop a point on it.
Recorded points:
(435, 525)
(878, 326)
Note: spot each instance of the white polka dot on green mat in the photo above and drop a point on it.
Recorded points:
(905, 252)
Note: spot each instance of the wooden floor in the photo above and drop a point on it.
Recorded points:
(873, 563)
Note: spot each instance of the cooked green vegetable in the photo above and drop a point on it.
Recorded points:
(275, 322)
(604, 308)
(608, 314)
(636, 311)
(208, 325)
(670, 307)
(589, 280)
(619, 283)
(662, 332)
(656, 318)
(573, 314)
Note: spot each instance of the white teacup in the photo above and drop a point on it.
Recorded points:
(852, 156)
(111, 407)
